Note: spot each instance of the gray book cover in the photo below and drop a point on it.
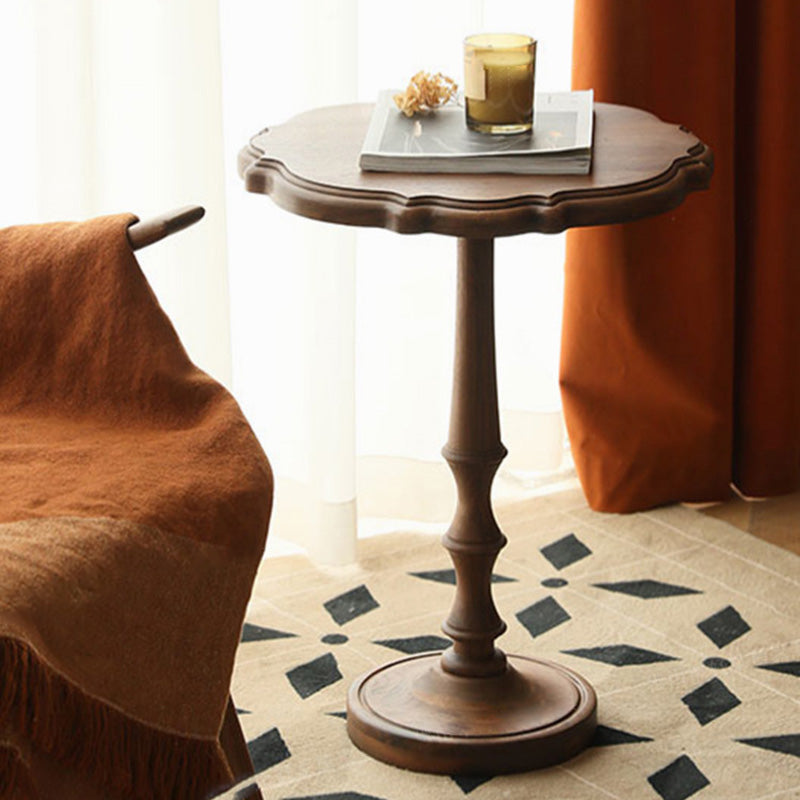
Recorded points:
(439, 141)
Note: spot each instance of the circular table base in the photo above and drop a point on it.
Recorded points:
(412, 714)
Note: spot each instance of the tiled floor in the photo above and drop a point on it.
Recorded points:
(775, 520)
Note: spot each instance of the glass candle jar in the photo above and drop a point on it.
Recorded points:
(499, 73)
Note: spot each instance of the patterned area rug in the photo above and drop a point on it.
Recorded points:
(688, 629)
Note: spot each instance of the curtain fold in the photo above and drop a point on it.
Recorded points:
(126, 115)
(680, 366)
(767, 434)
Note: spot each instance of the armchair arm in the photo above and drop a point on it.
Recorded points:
(145, 232)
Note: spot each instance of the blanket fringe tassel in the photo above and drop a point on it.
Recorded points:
(15, 782)
(126, 758)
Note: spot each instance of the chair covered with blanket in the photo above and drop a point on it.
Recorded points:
(134, 504)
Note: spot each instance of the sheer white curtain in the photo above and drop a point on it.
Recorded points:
(342, 339)
(116, 106)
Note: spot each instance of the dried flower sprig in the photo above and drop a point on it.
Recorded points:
(425, 92)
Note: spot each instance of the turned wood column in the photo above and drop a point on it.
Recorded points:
(472, 709)
(474, 452)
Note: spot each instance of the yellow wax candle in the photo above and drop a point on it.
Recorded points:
(498, 82)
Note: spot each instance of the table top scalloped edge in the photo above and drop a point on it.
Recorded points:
(429, 213)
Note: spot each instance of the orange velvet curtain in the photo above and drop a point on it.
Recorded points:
(680, 365)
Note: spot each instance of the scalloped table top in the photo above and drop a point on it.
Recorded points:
(641, 166)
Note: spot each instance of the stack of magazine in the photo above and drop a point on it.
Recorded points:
(439, 141)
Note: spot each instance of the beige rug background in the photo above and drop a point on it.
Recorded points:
(297, 732)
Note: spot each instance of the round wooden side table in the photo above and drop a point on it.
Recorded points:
(473, 709)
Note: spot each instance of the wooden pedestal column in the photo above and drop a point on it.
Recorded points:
(472, 709)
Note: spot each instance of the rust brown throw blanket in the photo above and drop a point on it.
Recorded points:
(134, 504)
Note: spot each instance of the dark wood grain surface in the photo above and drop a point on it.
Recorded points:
(641, 166)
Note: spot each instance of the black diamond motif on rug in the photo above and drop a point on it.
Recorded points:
(565, 551)
(724, 627)
(620, 655)
(449, 576)
(255, 633)
(310, 678)
(789, 744)
(647, 589)
(336, 796)
(339, 714)
(346, 607)
(606, 737)
(243, 711)
(416, 644)
(469, 783)
(785, 667)
(710, 701)
(543, 616)
(678, 780)
(268, 750)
